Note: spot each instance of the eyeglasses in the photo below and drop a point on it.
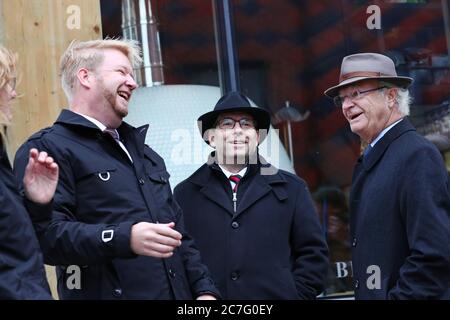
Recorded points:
(229, 123)
(354, 95)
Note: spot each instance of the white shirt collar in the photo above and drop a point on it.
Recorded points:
(228, 173)
(382, 133)
(100, 125)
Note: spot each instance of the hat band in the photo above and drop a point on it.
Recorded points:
(363, 74)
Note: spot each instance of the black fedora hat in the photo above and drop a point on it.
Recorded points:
(233, 102)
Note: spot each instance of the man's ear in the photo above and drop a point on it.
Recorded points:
(84, 77)
(391, 97)
(211, 137)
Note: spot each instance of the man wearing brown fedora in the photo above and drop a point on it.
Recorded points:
(400, 199)
(258, 233)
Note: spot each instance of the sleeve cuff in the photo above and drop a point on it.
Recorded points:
(122, 238)
(37, 211)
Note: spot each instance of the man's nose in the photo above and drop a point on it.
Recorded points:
(347, 103)
(237, 126)
(131, 83)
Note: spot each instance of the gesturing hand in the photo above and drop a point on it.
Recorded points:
(41, 177)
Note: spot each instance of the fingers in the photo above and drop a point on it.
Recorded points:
(43, 158)
(161, 248)
(156, 254)
(167, 241)
(167, 229)
(28, 170)
(160, 235)
(157, 249)
(34, 153)
(48, 160)
(33, 157)
(156, 240)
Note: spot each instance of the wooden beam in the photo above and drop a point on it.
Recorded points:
(39, 31)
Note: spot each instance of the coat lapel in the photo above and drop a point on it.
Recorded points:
(215, 192)
(381, 146)
(358, 177)
(364, 166)
(257, 189)
(134, 137)
(259, 186)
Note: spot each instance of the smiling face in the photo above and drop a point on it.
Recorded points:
(114, 86)
(372, 112)
(233, 146)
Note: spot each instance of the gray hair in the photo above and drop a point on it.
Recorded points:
(403, 99)
(89, 54)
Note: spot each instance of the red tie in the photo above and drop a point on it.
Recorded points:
(236, 179)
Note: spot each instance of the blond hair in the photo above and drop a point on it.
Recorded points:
(8, 60)
(89, 55)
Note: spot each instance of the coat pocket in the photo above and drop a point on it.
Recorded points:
(99, 174)
(161, 177)
(160, 185)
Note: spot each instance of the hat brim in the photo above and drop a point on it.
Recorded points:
(208, 120)
(403, 82)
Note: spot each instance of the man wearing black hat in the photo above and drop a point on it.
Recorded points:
(400, 199)
(255, 225)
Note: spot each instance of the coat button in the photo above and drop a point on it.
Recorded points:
(171, 273)
(356, 284)
(234, 276)
(141, 181)
(235, 224)
(117, 292)
(354, 242)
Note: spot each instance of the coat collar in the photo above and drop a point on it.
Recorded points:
(209, 179)
(68, 117)
(380, 147)
(262, 166)
(72, 119)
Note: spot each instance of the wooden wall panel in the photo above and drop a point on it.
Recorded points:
(39, 31)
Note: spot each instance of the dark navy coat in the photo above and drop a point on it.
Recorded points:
(400, 225)
(22, 274)
(101, 194)
(272, 247)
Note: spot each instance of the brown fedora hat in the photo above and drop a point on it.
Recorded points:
(363, 66)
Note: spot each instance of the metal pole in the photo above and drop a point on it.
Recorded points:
(291, 151)
(139, 23)
(227, 59)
